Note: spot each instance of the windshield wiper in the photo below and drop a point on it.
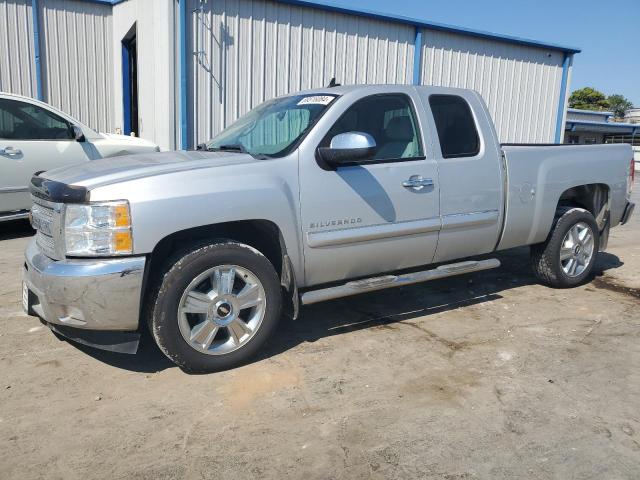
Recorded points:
(232, 147)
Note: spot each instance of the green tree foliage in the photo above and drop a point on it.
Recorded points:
(618, 104)
(588, 99)
(591, 99)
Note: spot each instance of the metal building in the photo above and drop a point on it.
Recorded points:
(178, 71)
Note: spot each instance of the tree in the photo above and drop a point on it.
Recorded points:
(618, 104)
(588, 99)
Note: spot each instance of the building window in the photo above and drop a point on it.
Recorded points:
(590, 140)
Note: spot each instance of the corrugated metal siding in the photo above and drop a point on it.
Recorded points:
(248, 51)
(75, 40)
(17, 64)
(520, 84)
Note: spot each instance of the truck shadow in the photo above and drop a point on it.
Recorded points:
(386, 307)
(371, 310)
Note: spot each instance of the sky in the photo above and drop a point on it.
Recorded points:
(607, 32)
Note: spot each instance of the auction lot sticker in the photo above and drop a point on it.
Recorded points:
(316, 99)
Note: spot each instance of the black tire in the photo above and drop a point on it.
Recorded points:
(545, 257)
(162, 317)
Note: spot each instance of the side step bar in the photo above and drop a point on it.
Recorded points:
(387, 281)
(19, 215)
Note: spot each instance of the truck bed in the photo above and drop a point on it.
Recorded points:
(536, 179)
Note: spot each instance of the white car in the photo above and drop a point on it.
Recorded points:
(36, 137)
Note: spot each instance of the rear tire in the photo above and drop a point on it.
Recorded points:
(567, 257)
(215, 306)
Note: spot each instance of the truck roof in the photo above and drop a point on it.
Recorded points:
(344, 89)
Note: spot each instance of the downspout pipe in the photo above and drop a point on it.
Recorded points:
(35, 18)
(566, 63)
(184, 127)
(417, 56)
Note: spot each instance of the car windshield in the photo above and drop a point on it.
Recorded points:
(273, 128)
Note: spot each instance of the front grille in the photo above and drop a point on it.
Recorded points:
(46, 219)
(46, 244)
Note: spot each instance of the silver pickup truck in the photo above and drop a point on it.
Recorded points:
(309, 197)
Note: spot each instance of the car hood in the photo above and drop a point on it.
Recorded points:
(108, 171)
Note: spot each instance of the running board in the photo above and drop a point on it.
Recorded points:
(19, 215)
(387, 281)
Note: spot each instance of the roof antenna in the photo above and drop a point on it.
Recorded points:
(332, 83)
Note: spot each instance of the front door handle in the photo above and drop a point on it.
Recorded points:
(10, 151)
(417, 182)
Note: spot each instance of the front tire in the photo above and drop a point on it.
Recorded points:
(567, 257)
(215, 307)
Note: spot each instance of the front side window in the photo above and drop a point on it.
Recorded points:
(274, 128)
(389, 119)
(25, 121)
(455, 125)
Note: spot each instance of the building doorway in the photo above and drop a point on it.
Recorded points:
(130, 83)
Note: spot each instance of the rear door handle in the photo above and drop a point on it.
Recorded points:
(417, 182)
(10, 151)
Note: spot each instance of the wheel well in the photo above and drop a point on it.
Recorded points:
(592, 197)
(263, 235)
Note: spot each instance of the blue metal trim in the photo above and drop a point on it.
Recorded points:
(184, 128)
(417, 57)
(105, 2)
(429, 25)
(35, 15)
(563, 96)
(602, 124)
(126, 90)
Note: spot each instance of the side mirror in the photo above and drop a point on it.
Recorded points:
(347, 148)
(78, 134)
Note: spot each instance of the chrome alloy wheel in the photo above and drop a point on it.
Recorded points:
(221, 309)
(577, 249)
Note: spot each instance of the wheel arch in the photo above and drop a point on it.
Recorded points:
(596, 199)
(263, 235)
(593, 197)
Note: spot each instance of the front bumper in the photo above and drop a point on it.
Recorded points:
(88, 294)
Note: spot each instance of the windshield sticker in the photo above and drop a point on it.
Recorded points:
(317, 99)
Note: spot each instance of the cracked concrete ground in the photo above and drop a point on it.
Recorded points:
(486, 376)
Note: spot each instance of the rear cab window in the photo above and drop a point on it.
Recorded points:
(456, 127)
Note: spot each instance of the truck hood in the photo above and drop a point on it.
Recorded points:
(108, 171)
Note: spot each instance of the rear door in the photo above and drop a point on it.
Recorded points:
(471, 174)
(359, 220)
(32, 139)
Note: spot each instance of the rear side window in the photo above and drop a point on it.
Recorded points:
(455, 125)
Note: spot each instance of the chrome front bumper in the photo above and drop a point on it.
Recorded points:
(93, 294)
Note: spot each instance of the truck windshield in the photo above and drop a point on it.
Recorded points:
(273, 128)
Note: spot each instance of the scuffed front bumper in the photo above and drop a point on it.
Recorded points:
(84, 294)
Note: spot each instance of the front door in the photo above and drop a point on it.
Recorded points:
(367, 218)
(32, 139)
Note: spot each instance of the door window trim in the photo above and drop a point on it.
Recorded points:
(417, 125)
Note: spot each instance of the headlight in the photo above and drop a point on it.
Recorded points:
(98, 229)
